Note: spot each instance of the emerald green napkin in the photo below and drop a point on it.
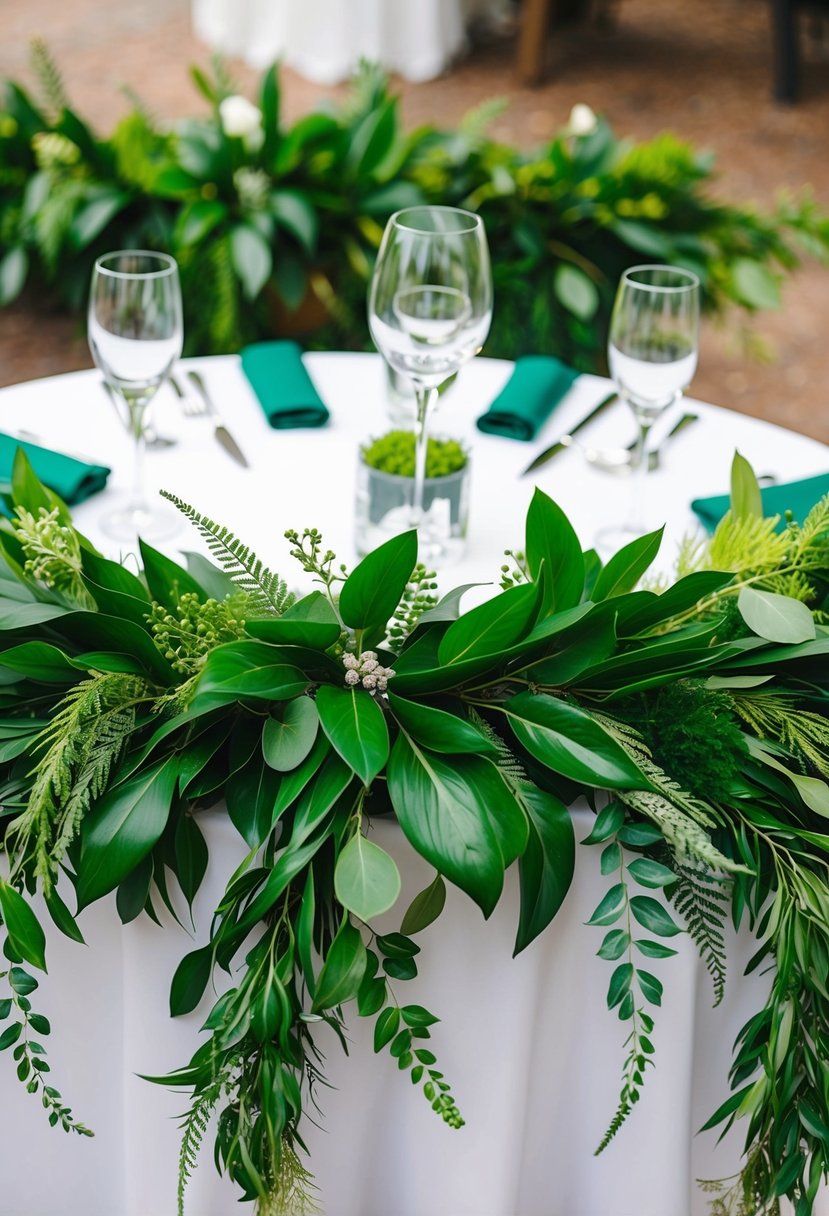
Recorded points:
(72, 479)
(531, 394)
(285, 390)
(796, 496)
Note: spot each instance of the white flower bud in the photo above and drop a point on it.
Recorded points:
(351, 677)
(367, 654)
(350, 662)
(368, 665)
(382, 683)
(582, 120)
(239, 116)
(370, 681)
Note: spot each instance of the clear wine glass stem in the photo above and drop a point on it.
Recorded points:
(137, 407)
(424, 397)
(639, 471)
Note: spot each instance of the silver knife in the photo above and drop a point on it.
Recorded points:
(220, 431)
(564, 441)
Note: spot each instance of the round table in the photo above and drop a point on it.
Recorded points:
(534, 1111)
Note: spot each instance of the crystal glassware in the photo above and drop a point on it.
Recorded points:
(652, 353)
(135, 334)
(429, 311)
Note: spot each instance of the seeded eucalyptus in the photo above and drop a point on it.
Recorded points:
(128, 703)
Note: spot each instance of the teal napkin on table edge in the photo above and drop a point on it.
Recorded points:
(534, 389)
(73, 480)
(796, 496)
(285, 390)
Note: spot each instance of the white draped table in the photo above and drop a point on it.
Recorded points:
(532, 1054)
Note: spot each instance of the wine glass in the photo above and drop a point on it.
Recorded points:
(135, 335)
(430, 307)
(652, 353)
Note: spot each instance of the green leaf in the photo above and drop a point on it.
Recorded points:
(640, 835)
(62, 917)
(651, 987)
(416, 1015)
(649, 873)
(778, 618)
(386, 1027)
(438, 729)
(311, 621)
(653, 949)
(10, 1035)
(166, 579)
(14, 267)
(624, 570)
(190, 980)
(366, 878)
(611, 907)
(397, 945)
(754, 284)
(575, 291)
(746, 501)
(127, 822)
(490, 628)
(91, 220)
(191, 856)
(614, 945)
(545, 868)
(813, 790)
(653, 916)
(248, 669)
(356, 728)
(425, 908)
(287, 741)
(22, 983)
(251, 257)
(198, 219)
(372, 591)
(620, 983)
(608, 822)
(551, 541)
(372, 140)
(343, 969)
(293, 211)
(251, 795)
(446, 809)
(25, 933)
(611, 859)
(567, 740)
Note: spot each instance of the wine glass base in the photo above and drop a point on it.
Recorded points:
(150, 524)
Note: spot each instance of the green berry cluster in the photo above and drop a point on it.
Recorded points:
(418, 597)
(395, 453)
(184, 636)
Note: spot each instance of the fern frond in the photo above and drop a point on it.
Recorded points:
(80, 747)
(701, 899)
(746, 544)
(506, 760)
(775, 715)
(195, 1124)
(49, 78)
(267, 593)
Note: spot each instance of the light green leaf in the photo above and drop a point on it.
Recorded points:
(813, 790)
(366, 878)
(286, 741)
(611, 906)
(25, 933)
(624, 570)
(490, 628)
(251, 257)
(649, 873)
(778, 618)
(356, 728)
(438, 729)
(14, 268)
(343, 969)
(754, 284)
(575, 291)
(746, 501)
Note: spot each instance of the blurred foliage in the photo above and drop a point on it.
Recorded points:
(275, 227)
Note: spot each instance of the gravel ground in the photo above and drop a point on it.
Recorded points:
(701, 70)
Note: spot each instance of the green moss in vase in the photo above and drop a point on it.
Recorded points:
(394, 453)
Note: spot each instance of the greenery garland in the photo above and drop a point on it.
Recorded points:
(275, 227)
(692, 717)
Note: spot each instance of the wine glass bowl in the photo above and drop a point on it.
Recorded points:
(135, 333)
(430, 308)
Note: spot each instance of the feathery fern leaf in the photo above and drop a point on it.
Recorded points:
(701, 899)
(267, 593)
(49, 78)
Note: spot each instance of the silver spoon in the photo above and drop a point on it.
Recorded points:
(618, 460)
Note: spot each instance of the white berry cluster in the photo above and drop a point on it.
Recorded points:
(365, 669)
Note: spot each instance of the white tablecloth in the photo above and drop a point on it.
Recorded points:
(538, 1093)
(324, 40)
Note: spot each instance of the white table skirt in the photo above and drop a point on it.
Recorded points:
(324, 40)
(536, 1097)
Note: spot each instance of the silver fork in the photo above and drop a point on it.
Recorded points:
(201, 405)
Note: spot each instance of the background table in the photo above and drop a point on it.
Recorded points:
(536, 1097)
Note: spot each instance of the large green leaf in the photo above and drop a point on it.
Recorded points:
(438, 729)
(126, 824)
(425, 908)
(624, 570)
(551, 541)
(366, 878)
(589, 642)
(354, 723)
(372, 591)
(311, 622)
(492, 627)
(292, 210)
(778, 618)
(567, 740)
(26, 937)
(251, 257)
(190, 980)
(41, 662)
(166, 579)
(248, 669)
(14, 267)
(644, 611)
(446, 810)
(547, 864)
(251, 795)
(746, 500)
(343, 969)
(294, 782)
(287, 739)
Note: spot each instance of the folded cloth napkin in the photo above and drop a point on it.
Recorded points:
(285, 390)
(796, 496)
(72, 479)
(532, 392)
